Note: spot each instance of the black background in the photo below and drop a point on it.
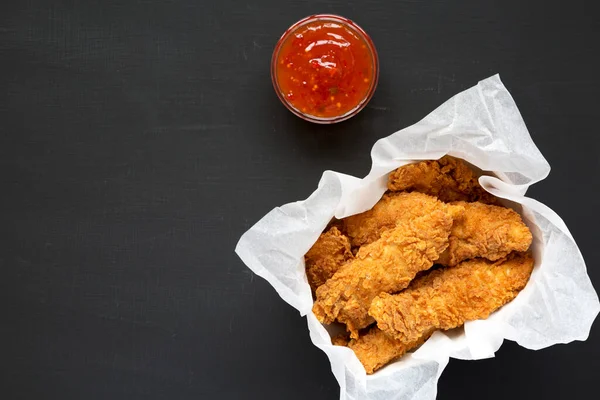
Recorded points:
(140, 139)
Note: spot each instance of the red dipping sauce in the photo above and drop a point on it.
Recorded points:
(325, 68)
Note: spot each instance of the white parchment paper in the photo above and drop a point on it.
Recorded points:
(483, 126)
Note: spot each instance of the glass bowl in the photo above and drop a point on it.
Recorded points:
(367, 49)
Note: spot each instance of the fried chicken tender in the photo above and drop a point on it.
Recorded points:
(448, 178)
(486, 231)
(448, 297)
(375, 349)
(392, 209)
(386, 265)
(328, 254)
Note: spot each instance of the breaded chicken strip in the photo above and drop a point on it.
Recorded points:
(486, 231)
(448, 178)
(448, 297)
(386, 265)
(392, 209)
(328, 254)
(375, 349)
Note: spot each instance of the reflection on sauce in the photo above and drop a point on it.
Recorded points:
(325, 69)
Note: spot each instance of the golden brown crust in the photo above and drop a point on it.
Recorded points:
(393, 208)
(386, 265)
(449, 179)
(448, 297)
(486, 231)
(328, 254)
(375, 349)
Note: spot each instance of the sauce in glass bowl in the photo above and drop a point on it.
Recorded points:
(325, 68)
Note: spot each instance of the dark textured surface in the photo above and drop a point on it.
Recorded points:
(139, 139)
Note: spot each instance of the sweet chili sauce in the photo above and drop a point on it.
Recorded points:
(325, 68)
